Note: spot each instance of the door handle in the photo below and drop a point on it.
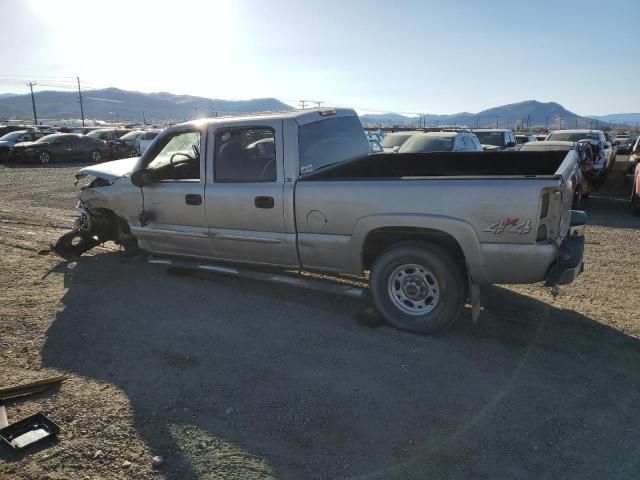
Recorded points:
(264, 202)
(193, 199)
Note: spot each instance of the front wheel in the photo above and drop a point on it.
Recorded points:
(96, 156)
(44, 157)
(4, 154)
(418, 287)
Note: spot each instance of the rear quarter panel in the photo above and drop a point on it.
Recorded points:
(333, 218)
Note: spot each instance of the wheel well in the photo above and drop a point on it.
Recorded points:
(377, 241)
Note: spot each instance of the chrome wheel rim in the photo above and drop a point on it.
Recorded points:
(44, 157)
(413, 289)
(95, 156)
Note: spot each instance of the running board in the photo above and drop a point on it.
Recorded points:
(299, 282)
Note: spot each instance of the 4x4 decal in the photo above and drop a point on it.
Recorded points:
(511, 225)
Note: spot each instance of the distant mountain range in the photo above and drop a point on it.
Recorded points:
(530, 113)
(618, 118)
(129, 106)
(123, 105)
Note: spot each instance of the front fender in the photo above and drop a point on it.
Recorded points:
(461, 231)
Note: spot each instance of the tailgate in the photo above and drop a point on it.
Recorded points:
(569, 174)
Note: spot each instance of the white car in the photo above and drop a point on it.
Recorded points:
(145, 140)
(442, 141)
(392, 142)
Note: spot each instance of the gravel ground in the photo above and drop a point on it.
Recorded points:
(233, 379)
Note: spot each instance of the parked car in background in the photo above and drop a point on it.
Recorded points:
(131, 140)
(634, 158)
(4, 129)
(60, 147)
(635, 191)
(613, 147)
(601, 150)
(111, 136)
(541, 137)
(443, 141)
(525, 138)
(374, 146)
(624, 143)
(145, 140)
(392, 142)
(8, 140)
(496, 138)
(582, 177)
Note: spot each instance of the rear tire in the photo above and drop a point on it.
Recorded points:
(4, 155)
(44, 158)
(96, 156)
(133, 153)
(73, 244)
(418, 287)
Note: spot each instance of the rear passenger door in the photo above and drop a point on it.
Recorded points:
(245, 195)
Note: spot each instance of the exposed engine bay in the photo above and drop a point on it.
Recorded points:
(93, 226)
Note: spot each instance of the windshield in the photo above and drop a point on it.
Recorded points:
(491, 138)
(573, 136)
(100, 134)
(48, 138)
(132, 136)
(394, 139)
(426, 144)
(13, 135)
(332, 141)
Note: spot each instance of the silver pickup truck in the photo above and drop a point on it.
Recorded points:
(300, 190)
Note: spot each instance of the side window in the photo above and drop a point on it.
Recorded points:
(459, 144)
(468, 143)
(245, 155)
(177, 157)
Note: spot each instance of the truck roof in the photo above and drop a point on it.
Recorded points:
(302, 117)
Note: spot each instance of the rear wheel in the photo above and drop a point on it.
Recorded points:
(44, 157)
(73, 244)
(4, 155)
(96, 156)
(133, 153)
(418, 287)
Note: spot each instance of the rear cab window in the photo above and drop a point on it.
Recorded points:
(330, 141)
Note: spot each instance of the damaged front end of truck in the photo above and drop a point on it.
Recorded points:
(99, 220)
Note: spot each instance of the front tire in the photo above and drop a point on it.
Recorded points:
(418, 287)
(4, 155)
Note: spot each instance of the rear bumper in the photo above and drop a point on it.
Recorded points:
(569, 262)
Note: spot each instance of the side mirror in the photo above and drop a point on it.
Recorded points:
(142, 178)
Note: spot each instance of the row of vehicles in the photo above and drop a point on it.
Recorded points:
(596, 150)
(41, 145)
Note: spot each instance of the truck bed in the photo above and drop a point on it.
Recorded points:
(445, 164)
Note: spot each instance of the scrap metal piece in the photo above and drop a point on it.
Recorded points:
(28, 431)
(474, 290)
(38, 386)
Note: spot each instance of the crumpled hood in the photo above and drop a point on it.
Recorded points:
(110, 170)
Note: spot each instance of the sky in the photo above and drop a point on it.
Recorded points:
(378, 56)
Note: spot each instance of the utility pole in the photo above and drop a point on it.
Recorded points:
(33, 103)
(319, 104)
(81, 107)
(546, 123)
(144, 119)
(497, 120)
(528, 122)
(478, 121)
(195, 112)
(303, 104)
(560, 119)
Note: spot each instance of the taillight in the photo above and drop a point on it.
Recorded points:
(327, 112)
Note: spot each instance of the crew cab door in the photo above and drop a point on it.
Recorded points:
(174, 202)
(245, 199)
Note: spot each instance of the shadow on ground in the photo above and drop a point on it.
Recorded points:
(230, 378)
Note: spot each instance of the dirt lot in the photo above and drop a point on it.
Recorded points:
(233, 379)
